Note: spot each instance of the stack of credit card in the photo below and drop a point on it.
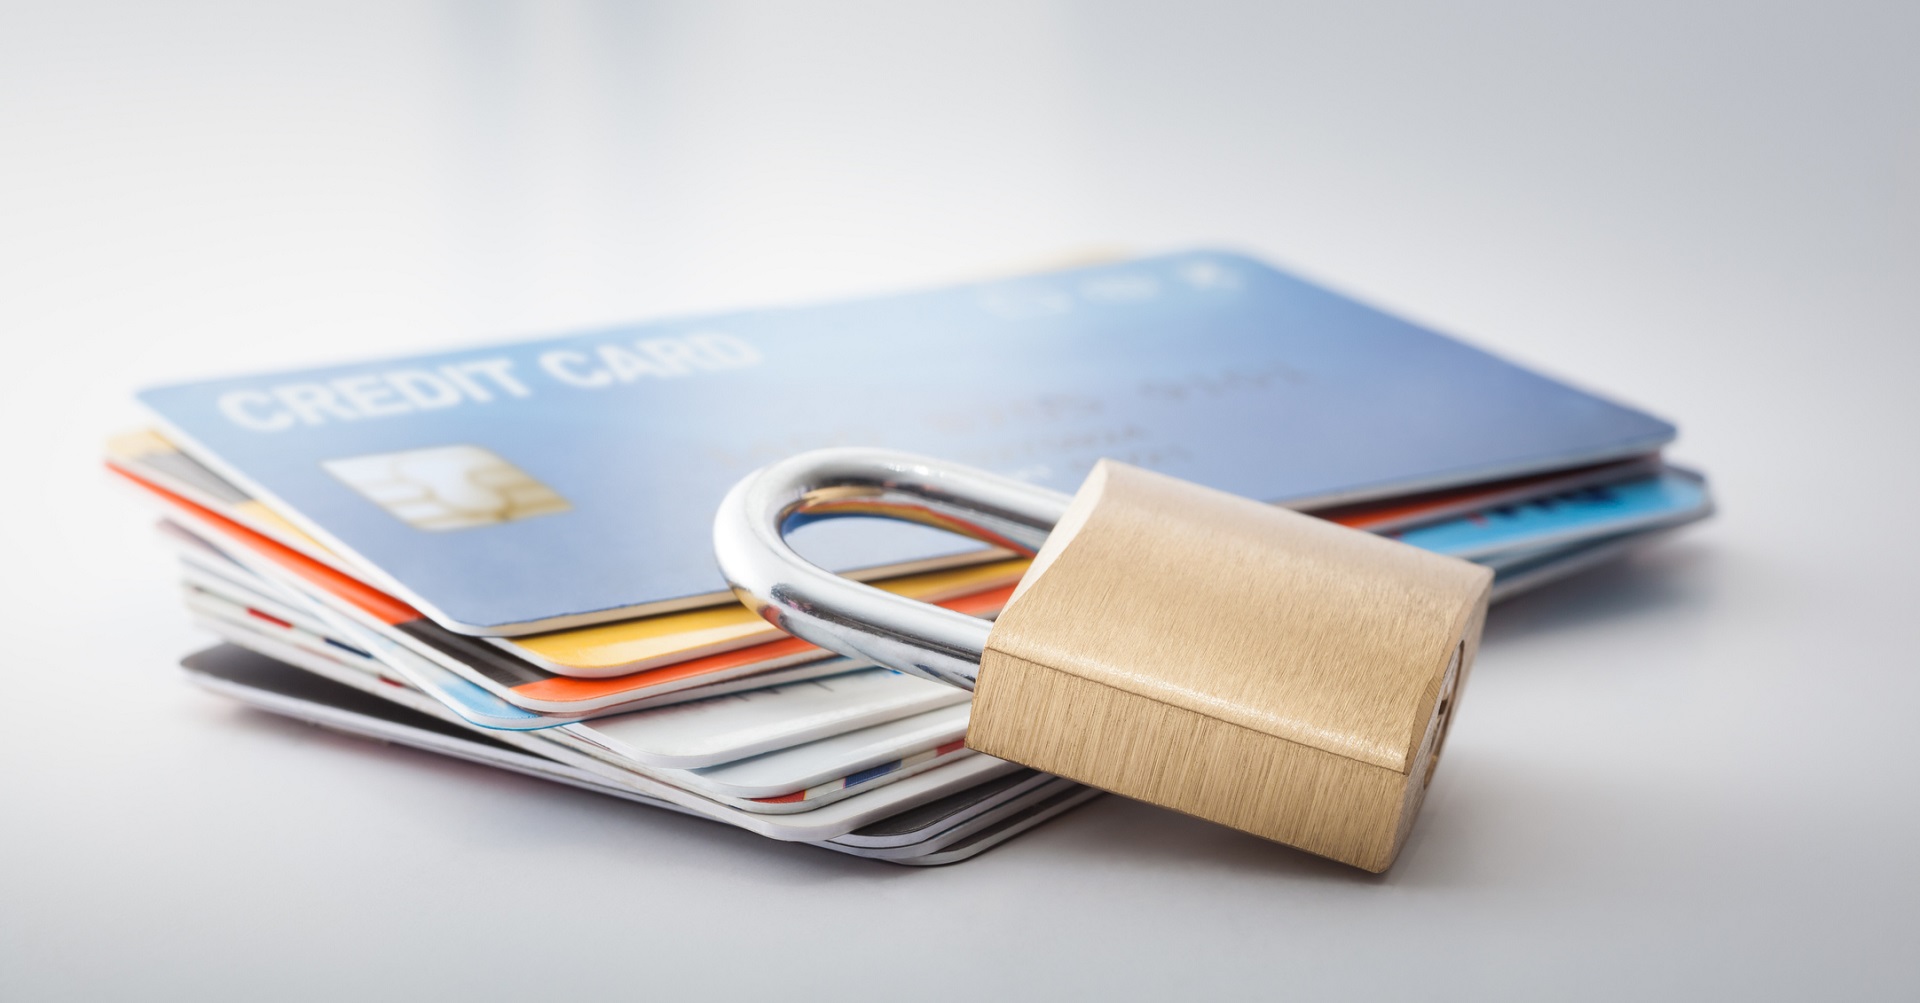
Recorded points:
(504, 553)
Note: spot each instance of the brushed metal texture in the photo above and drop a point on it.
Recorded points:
(1239, 662)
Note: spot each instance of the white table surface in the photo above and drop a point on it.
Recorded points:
(1688, 776)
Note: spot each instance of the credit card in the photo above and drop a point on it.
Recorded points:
(836, 762)
(775, 724)
(1508, 529)
(588, 652)
(1673, 497)
(606, 650)
(727, 728)
(1495, 534)
(976, 843)
(803, 791)
(888, 746)
(147, 456)
(626, 647)
(278, 688)
(913, 825)
(1418, 510)
(540, 463)
(259, 608)
(483, 683)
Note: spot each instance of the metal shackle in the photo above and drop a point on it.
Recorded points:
(860, 621)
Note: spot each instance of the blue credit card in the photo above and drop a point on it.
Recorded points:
(1513, 534)
(572, 480)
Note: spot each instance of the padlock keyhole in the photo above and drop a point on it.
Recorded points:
(1443, 715)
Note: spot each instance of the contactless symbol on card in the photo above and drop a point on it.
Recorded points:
(447, 487)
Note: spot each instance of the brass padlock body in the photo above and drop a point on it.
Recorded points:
(1235, 661)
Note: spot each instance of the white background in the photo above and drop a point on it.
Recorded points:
(1689, 776)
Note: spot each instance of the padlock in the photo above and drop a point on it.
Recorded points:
(1219, 656)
